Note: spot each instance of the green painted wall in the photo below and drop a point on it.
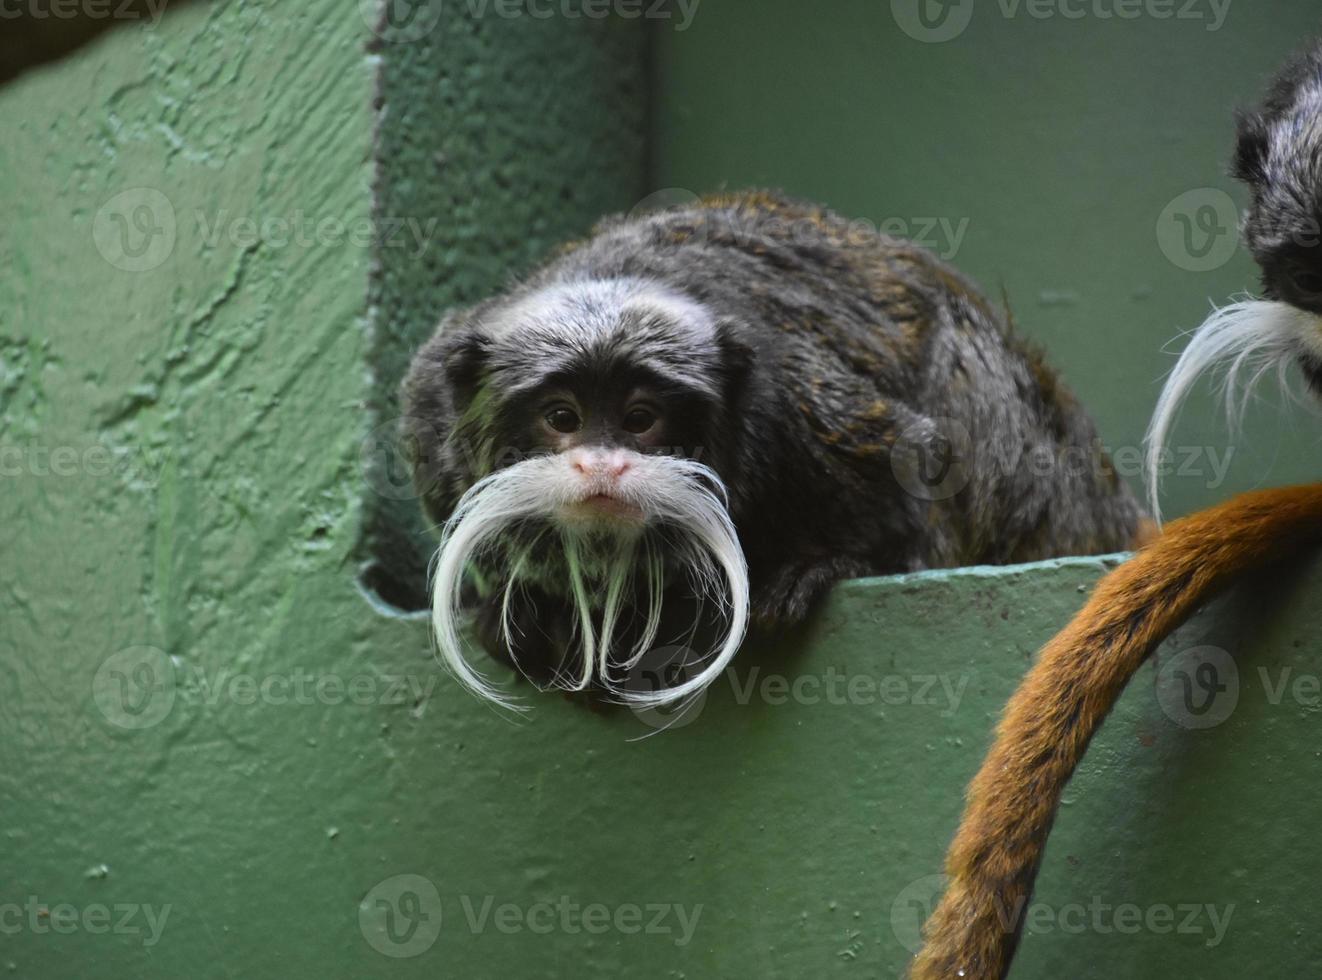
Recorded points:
(1052, 154)
(219, 756)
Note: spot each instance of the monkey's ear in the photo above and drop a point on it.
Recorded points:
(464, 356)
(737, 355)
(1250, 164)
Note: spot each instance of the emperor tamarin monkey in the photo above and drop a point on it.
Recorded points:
(1279, 156)
(748, 399)
(1081, 673)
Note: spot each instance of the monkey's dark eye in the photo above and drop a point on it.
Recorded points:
(564, 420)
(639, 420)
(1307, 281)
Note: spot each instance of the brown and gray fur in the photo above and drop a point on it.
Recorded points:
(832, 344)
(1279, 157)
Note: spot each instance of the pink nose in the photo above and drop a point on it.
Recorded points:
(595, 463)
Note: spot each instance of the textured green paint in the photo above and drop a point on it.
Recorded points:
(1058, 141)
(233, 379)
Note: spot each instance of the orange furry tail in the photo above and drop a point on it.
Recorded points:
(1053, 715)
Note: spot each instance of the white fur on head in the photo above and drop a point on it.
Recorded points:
(544, 327)
(681, 498)
(1250, 337)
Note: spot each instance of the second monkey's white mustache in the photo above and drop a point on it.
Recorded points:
(1250, 338)
(682, 497)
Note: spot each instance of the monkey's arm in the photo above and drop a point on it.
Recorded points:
(1051, 718)
(786, 596)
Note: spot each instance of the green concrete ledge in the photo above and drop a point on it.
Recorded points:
(806, 803)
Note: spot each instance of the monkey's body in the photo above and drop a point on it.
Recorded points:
(1080, 674)
(860, 340)
(843, 361)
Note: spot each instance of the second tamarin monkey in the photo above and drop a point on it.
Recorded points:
(745, 399)
(1080, 674)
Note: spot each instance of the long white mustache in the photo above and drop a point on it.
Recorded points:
(1251, 338)
(684, 497)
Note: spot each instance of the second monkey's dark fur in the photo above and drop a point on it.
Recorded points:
(1279, 156)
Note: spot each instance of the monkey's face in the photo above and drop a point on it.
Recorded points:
(1281, 161)
(1292, 278)
(1292, 275)
(590, 440)
(1279, 157)
(607, 425)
